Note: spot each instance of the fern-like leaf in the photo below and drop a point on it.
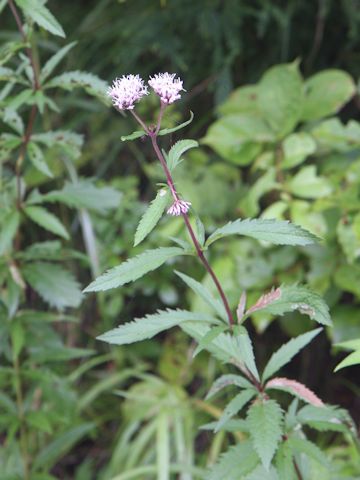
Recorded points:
(239, 460)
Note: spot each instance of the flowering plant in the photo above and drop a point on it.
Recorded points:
(275, 445)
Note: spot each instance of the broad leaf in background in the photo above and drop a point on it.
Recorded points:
(296, 148)
(298, 297)
(265, 419)
(339, 88)
(36, 10)
(287, 351)
(280, 97)
(151, 325)
(152, 215)
(133, 268)
(274, 231)
(53, 283)
(46, 220)
(307, 184)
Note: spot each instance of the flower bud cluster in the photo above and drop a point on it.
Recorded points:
(129, 89)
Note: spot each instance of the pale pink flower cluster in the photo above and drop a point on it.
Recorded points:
(179, 207)
(128, 89)
(167, 87)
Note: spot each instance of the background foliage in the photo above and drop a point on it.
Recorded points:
(72, 408)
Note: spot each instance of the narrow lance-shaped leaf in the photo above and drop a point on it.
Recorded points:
(92, 84)
(294, 388)
(246, 351)
(37, 159)
(225, 381)
(133, 268)
(177, 150)
(52, 63)
(152, 215)
(166, 131)
(287, 351)
(204, 293)
(234, 406)
(302, 445)
(208, 338)
(151, 325)
(46, 220)
(41, 15)
(279, 232)
(296, 297)
(133, 136)
(265, 423)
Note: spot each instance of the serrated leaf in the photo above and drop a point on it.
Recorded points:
(225, 381)
(261, 473)
(177, 150)
(8, 49)
(69, 142)
(297, 297)
(36, 157)
(295, 388)
(326, 418)
(53, 283)
(92, 84)
(287, 351)
(13, 119)
(152, 215)
(133, 268)
(9, 227)
(46, 220)
(239, 460)
(279, 232)
(234, 406)
(302, 445)
(265, 423)
(204, 293)
(284, 462)
(208, 338)
(151, 325)
(83, 194)
(166, 131)
(246, 351)
(41, 15)
(52, 63)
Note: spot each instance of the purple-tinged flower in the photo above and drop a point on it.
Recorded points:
(167, 87)
(179, 207)
(127, 90)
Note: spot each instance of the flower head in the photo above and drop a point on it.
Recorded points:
(127, 90)
(167, 87)
(179, 207)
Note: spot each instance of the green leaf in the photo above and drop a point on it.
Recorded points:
(349, 361)
(297, 297)
(226, 380)
(92, 84)
(177, 150)
(17, 337)
(41, 15)
(69, 142)
(265, 423)
(205, 294)
(296, 148)
(325, 93)
(52, 63)
(306, 184)
(83, 194)
(163, 446)
(280, 97)
(9, 227)
(53, 283)
(208, 338)
(279, 232)
(326, 418)
(8, 50)
(133, 268)
(166, 131)
(39, 421)
(234, 406)
(133, 136)
(152, 215)
(151, 325)
(287, 351)
(246, 351)
(37, 159)
(302, 445)
(63, 442)
(261, 473)
(284, 462)
(46, 220)
(13, 119)
(238, 461)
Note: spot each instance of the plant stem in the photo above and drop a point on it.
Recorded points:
(33, 112)
(297, 470)
(153, 136)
